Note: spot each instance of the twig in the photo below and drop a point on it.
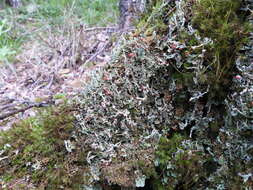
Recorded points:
(37, 105)
(46, 42)
(51, 81)
(97, 53)
(100, 28)
(8, 106)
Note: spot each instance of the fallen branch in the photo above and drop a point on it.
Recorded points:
(7, 106)
(107, 29)
(30, 105)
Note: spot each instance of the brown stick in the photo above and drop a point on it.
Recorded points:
(97, 53)
(37, 105)
(112, 29)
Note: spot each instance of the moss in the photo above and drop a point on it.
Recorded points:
(222, 21)
(125, 171)
(147, 169)
(36, 149)
(154, 19)
(177, 166)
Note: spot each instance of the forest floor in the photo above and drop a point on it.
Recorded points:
(54, 61)
(171, 110)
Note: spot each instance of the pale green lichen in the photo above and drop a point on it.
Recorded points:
(149, 116)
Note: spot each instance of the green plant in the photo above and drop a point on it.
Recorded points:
(97, 12)
(221, 21)
(7, 44)
(36, 147)
(90, 12)
(36, 18)
(154, 19)
(179, 164)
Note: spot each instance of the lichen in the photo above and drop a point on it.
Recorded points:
(162, 82)
(159, 112)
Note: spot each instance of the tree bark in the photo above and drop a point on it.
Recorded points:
(130, 10)
(14, 3)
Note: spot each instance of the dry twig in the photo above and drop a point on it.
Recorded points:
(29, 106)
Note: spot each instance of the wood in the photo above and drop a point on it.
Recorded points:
(130, 10)
(12, 110)
(14, 3)
(128, 188)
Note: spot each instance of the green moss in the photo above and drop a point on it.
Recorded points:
(221, 21)
(188, 39)
(36, 148)
(146, 168)
(178, 167)
(153, 19)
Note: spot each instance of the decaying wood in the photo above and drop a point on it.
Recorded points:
(11, 109)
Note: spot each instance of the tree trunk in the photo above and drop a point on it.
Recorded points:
(128, 188)
(130, 10)
(14, 3)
